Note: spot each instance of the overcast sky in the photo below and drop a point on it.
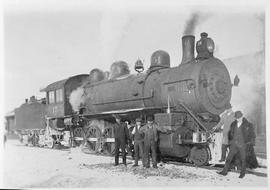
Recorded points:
(46, 41)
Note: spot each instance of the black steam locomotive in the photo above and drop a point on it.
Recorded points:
(185, 100)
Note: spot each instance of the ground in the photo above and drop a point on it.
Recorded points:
(32, 167)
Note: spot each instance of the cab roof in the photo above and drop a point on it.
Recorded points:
(60, 84)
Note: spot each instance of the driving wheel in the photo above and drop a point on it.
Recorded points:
(92, 136)
(109, 144)
(199, 155)
(79, 136)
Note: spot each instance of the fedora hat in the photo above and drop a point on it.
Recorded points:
(238, 114)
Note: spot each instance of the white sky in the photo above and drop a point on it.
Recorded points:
(46, 41)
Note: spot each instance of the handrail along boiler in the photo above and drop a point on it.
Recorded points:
(198, 90)
(185, 100)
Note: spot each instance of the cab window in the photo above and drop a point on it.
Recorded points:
(59, 95)
(51, 97)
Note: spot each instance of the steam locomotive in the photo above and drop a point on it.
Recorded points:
(185, 101)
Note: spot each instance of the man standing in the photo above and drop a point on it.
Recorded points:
(138, 141)
(238, 138)
(226, 119)
(150, 142)
(121, 139)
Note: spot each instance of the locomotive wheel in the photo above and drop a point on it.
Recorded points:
(199, 155)
(79, 136)
(109, 147)
(91, 139)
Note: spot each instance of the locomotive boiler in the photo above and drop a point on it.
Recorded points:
(185, 100)
(203, 84)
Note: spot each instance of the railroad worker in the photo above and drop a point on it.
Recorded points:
(150, 142)
(138, 141)
(130, 127)
(238, 138)
(226, 119)
(121, 139)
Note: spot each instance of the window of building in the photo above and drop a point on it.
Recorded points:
(59, 95)
(51, 97)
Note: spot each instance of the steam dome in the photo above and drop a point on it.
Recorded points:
(119, 68)
(160, 58)
(96, 75)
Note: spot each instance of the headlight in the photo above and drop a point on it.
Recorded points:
(210, 45)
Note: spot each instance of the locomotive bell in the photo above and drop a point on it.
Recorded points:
(139, 66)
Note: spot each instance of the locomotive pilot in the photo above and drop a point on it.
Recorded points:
(150, 142)
(121, 139)
(138, 141)
(240, 136)
(226, 119)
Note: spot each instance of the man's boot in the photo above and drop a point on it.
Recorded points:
(242, 175)
(223, 172)
(124, 161)
(116, 161)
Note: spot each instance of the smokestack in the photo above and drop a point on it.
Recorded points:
(188, 42)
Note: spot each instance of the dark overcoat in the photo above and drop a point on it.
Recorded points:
(249, 138)
(121, 133)
(247, 131)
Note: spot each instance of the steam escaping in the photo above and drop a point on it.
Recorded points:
(249, 96)
(113, 28)
(76, 98)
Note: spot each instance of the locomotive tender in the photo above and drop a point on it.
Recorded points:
(185, 100)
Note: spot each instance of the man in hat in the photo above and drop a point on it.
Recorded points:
(238, 138)
(226, 119)
(138, 141)
(121, 139)
(150, 142)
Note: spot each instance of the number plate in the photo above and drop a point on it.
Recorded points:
(92, 139)
(109, 140)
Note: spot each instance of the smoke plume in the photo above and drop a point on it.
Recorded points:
(77, 98)
(194, 20)
(191, 24)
